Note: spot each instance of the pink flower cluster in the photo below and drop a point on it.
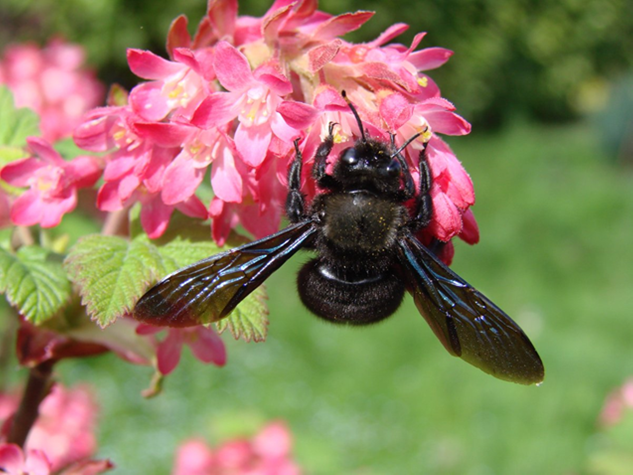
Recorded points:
(52, 82)
(268, 453)
(235, 96)
(52, 182)
(62, 439)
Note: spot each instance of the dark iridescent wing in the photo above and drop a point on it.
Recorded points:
(209, 290)
(465, 321)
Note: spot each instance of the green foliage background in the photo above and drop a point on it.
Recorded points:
(556, 219)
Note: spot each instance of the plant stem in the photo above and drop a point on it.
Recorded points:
(37, 388)
(115, 222)
(22, 237)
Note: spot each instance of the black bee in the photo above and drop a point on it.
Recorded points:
(366, 257)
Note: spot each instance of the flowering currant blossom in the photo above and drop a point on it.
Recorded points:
(206, 345)
(13, 461)
(62, 439)
(52, 82)
(52, 182)
(237, 95)
(269, 452)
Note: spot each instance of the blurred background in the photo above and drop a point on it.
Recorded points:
(548, 87)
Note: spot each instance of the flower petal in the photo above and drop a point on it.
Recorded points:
(193, 208)
(147, 65)
(470, 229)
(430, 58)
(27, 209)
(53, 211)
(165, 134)
(208, 347)
(231, 67)
(178, 36)
(181, 179)
(11, 458)
(297, 115)
(20, 172)
(340, 25)
(155, 217)
(169, 351)
(215, 110)
(148, 102)
(45, 151)
(37, 463)
(252, 143)
(225, 178)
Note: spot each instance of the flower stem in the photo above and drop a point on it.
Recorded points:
(115, 223)
(37, 388)
(22, 237)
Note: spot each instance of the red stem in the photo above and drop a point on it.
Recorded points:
(36, 390)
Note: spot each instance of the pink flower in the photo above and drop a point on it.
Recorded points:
(268, 453)
(14, 461)
(206, 345)
(65, 429)
(616, 404)
(239, 92)
(52, 181)
(135, 170)
(194, 458)
(63, 435)
(252, 99)
(53, 83)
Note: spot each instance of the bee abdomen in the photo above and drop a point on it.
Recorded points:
(359, 301)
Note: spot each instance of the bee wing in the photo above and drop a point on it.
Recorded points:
(210, 289)
(467, 323)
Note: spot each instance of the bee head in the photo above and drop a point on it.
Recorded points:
(370, 164)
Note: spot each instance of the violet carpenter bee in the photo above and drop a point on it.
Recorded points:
(367, 257)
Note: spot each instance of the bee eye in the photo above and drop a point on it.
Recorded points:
(394, 168)
(349, 157)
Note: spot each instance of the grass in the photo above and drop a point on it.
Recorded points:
(556, 218)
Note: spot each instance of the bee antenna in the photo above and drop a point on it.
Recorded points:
(405, 144)
(355, 112)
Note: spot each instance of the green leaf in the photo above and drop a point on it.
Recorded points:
(15, 124)
(112, 273)
(34, 282)
(249, 320)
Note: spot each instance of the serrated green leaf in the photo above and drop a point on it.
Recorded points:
(34, 282)
(112, 273)
(249, 320)
(15, 124)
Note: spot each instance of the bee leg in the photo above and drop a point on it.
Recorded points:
(295, 200)
(320, 160)
(424, 205)
(409, 186)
